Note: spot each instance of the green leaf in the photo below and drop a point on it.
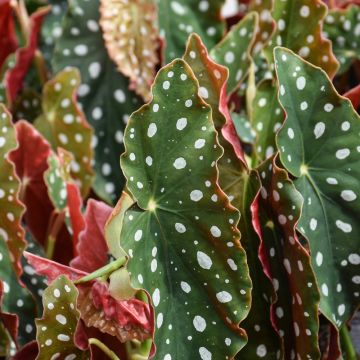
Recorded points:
(27, 105)
(342, 27)
(197, 274)
(17, 299)
(299, 24)
(177, 19)
(64, 125)
(263, 340)
(295, 310)
(104, 93)
(243, 128)
(319, 146)
(234, 50)
(56, 329)
(267, 119)
(11, 210)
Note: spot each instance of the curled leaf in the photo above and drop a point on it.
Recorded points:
(130, 34)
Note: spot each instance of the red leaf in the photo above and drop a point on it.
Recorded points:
(8, 41)
(92, 248)
(30, 159)
(24, 56)
(74, 202)
(51, 269)
(28, 352)
(354, 96)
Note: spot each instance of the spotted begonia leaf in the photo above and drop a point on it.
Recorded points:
(8, 41)
(11, 210)
(212, 79)
(131, 37)
(263, 340)
(17, 300)
(266, 22)
(342, 27)
(104, 93)
(15, 76)
(242, 190)
(51, 28)
(198, 274)
(299, 25)
(267, 119)
(65, 125)
(288, 264)
(243, 128)
(30, 159)
(177, 19)
(234, 50)
(317, 115)
(56, 329)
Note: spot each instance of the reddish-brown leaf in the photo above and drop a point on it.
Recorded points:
(92, 249)
(24, 56)
(354, 96)
(30, 159)
(10, 321)
(8, 41)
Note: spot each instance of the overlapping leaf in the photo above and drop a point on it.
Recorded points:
(197, 272)
(15, 76)
(27, 106)
(319, 146)
(103, 93)
(267, 119)
(64, 125)
(56, 329)
(295, 311)
(17, 300)
(131, 38)
(342, 27)
(8, 41)
(299, 25)
(234, 50)
(11, 210)
(30, 159)
(178, 19)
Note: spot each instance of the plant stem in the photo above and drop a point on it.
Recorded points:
(347, 343)
(40, 65)
(104, 348)
(104, 271)
(56, 222)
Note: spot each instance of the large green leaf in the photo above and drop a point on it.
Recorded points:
(182, 233)
(342, 27)
(177, 19)
(319, 146)
(104, 93)
(234, 50)
(56, 329)
(286, 261)
(299, 24)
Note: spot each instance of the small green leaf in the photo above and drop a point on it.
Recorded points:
(319, 146)
(342, 28)
(243, 128)
(197, 271)
(64, 125)
(56, 329)
(234, 50)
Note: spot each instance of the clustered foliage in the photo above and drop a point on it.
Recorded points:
(230, 227)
